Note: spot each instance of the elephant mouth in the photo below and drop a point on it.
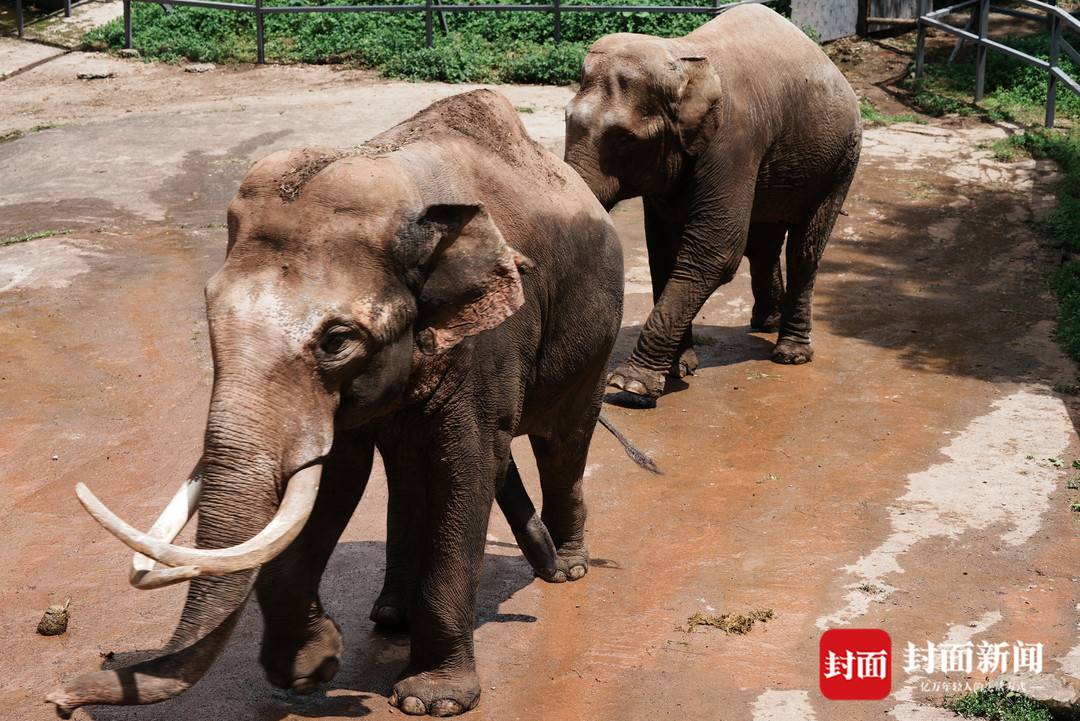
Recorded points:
(182, 564)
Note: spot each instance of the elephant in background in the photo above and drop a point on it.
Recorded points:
(736, 135)
(434, 293)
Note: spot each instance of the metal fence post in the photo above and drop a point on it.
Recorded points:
(920, 49)
(428, 20)
(127, 24)
(260, 33)
(557, 15)
(1051, 84)
(982, 51)
(18, 18)
(67, 8)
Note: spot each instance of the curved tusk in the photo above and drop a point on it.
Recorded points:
(167, 527)
(285, 526)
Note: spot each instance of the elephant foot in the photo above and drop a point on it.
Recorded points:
(685, 365)
(390, 613)
(766, 324)
(571, 563)
(789, 352)
(639, 381)
(317, 660)
(436, 693)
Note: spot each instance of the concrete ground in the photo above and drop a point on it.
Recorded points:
(900, 481)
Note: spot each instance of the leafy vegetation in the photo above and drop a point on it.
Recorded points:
(872, 116)
(998, 703)
(1014, 91)
(514, 47)
(12, 240)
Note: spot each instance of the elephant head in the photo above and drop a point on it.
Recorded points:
(346, 276)
(644, 107)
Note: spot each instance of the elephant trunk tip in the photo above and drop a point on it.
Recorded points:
(63, 706)
(107, 688)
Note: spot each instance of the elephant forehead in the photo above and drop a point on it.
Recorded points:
(292, 307)
(363, 186)
(627, 53)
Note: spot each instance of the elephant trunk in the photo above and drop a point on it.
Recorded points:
(210, 613)
(240, 497)
(581, 155)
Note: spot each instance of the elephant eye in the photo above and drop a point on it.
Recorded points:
(336, 340)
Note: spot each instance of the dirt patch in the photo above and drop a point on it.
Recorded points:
(736, 623)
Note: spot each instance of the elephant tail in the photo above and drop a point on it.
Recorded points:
(637, 455)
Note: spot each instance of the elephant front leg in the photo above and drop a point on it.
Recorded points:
(301, 644)
(709, 254)
(664, 222)
(441, 677)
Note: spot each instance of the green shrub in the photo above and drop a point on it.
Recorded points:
(998, 703)
(1012, 88)
(479, 47)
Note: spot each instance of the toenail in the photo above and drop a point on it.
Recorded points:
(413, 706)
(576, 572)
(446, 707)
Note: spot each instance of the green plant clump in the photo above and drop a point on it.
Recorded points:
(872, 116)
(514, 47)
(998, 703)
(1014, 91)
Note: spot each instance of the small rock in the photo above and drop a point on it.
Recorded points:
(1055, 693)
(95, 74)
(55, 620)
(129, 53)
(55, 457)
(199, 67)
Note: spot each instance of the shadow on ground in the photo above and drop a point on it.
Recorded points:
(372, 660)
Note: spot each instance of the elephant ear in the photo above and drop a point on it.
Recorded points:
(469, 277)
(697, 107)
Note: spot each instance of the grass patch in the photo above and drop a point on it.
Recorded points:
(479, 47)
(1014, 91)
(872, 116)
(12, 240)
(998, 703)
(737, 623)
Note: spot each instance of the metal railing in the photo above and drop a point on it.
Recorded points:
(20, 18)
(430, 8)
(1058, 20)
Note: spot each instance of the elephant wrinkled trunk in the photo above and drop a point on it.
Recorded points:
(581, 155)
(244, 520)
(194, 647)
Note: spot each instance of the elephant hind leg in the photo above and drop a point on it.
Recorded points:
(763, 251)
(560, 460)
(531, 534)
(805, 246)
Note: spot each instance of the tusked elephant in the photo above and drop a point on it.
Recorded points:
(735, 135)
(433, 293)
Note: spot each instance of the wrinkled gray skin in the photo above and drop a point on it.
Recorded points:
(735, 135)
(446, 287)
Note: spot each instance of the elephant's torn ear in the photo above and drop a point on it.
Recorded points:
(471, 276)
(697, 107)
